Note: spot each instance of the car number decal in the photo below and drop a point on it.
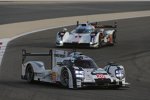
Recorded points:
(101, 76)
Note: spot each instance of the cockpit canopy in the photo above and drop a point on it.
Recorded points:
(84, 28)
(83, 63)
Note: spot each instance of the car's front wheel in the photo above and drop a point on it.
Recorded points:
(114, 37)
(65, 78)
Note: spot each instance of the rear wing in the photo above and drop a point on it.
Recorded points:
(26, 54)
(56, 55)
(95, 24)
(104, 26)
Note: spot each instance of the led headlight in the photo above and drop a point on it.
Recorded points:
(62, 34)
(91, 42)
(79, 74)
(60, 42)
(119, 73)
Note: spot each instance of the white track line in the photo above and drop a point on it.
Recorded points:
(15, 29)
(67, 21)
(46, 24)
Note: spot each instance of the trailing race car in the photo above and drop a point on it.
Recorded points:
(72, 70)
(87, 35)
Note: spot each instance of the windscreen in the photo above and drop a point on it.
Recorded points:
(83, 30)
(85, 63)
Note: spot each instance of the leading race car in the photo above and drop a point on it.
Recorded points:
(72, 70)
(87, 35)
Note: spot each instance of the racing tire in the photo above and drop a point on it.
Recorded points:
(114, 37)
(111, 44)
(30, 74)
(65, 78)
(100, 43)
(113, 40)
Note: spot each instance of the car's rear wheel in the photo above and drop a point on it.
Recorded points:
(65, 78)
(111, 40)
(30, 74)
(114, 37)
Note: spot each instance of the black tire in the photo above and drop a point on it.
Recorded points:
(113, 40)
(30, 74)
(65, 78)
(100, 43)
(114, 37)
(111, 44)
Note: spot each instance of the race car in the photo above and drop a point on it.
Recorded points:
(72, 70)
(87, 35)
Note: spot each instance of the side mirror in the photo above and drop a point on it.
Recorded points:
(64, 30)
(60, 63)
(115, 24)
(77, 23)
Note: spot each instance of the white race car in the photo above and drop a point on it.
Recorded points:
(72, 70)
(87, 35)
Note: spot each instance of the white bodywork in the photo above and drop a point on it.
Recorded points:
(3, 46)
(78, 75)
(85, 35)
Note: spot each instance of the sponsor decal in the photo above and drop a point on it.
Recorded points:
(53, 76)
(101, 76)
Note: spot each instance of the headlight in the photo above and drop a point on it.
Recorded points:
(61, 34)
(91, 43)
(119, 73)
(79, 74)
(61, 42)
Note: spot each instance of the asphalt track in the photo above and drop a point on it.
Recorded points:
(17, 12)
(132, 50)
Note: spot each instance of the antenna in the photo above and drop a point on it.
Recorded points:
(87, 22)
(115, 24)
(77, 23)
(23, 55)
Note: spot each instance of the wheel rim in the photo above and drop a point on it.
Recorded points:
(65, 77)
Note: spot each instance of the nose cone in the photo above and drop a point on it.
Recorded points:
(82, 38)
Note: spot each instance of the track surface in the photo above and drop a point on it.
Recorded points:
(132, 50)
(25, 12)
